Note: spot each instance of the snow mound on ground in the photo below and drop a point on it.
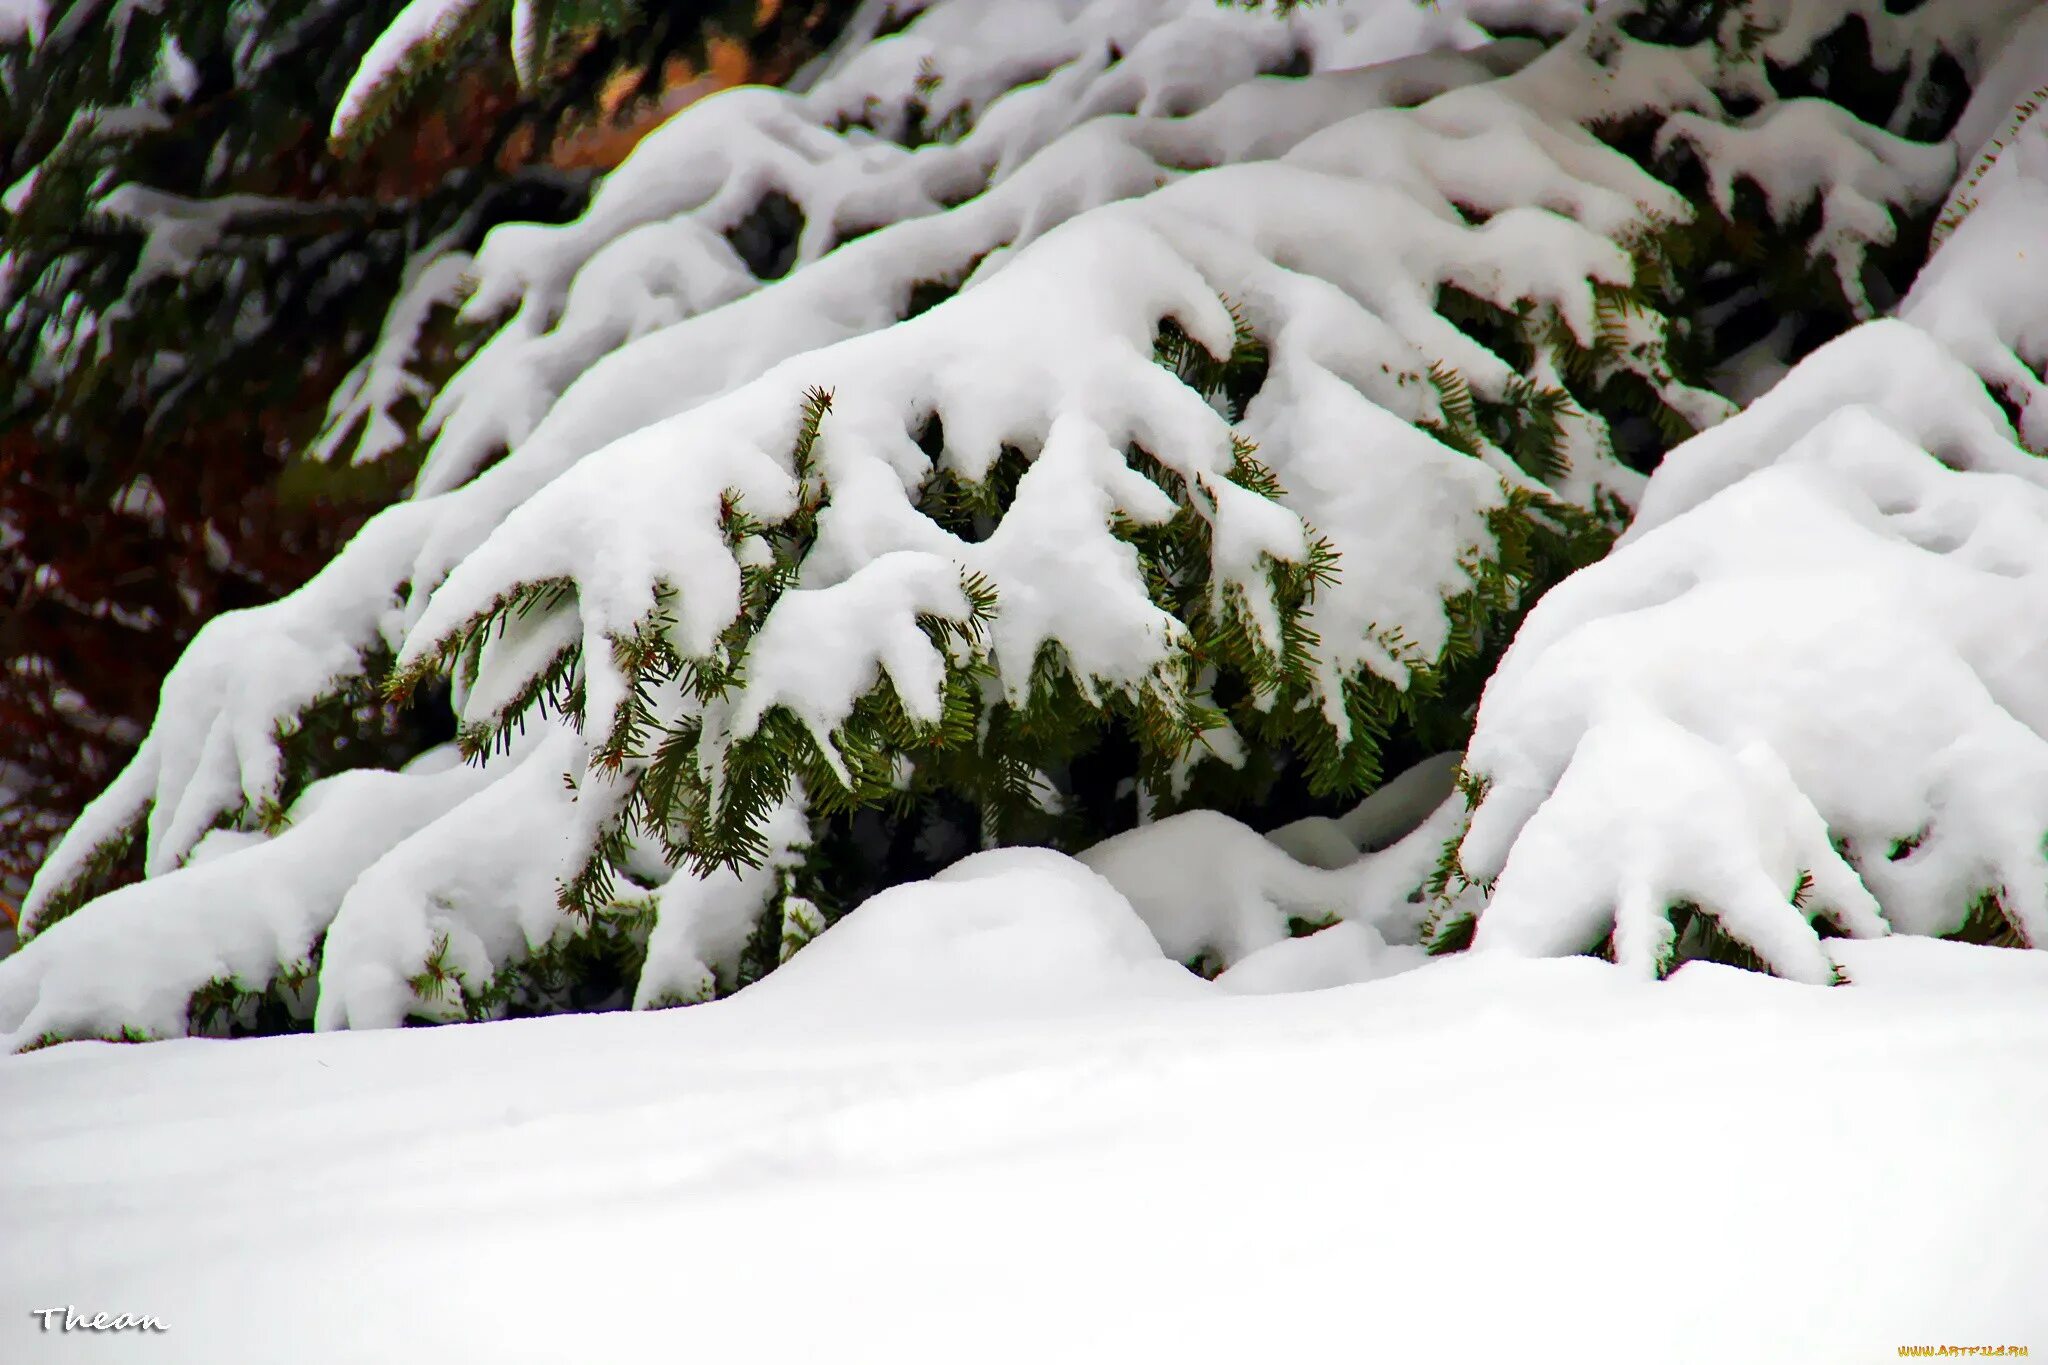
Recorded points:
(1934, 969)
(1342, 955)
(1010, 930)
(1819, 691)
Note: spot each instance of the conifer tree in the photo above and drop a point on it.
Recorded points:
(1016, 433)
(190, 273)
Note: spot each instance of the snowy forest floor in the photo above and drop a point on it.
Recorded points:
(1479, 1159)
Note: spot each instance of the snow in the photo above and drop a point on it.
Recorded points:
(1814, 662)
(2001, 95)
(1826, 668)
(149, 946)
(702, 923)
(1970, 32)
(1979, 293)
(1443, 1165)
(1014, 932)
(449, 882)
(23, 20)
(1396, 809)
(1049, 353)
(822, 641)
(1811, 150)
(1000, 1114)
(231, 757)
(17, 194)
(361, 406)
(1892, 370)
(1209, 886)
(651, 379)
(1980, 297)
(178, 231)
(422, 24)
(651, 251)
(1344, 954)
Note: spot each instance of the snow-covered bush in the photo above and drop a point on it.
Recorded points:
(1814, 694)
(1807, 691)
(1040, 422)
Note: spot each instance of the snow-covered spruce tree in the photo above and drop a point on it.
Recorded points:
(1038, 420)
(167, 228)
(173, 224)
(1805, 696)
(174, 211)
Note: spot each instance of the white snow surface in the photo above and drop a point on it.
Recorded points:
(1449, 1165)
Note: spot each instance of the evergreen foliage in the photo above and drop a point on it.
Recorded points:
(187, 277)
(1029, 536)
(556, 48)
